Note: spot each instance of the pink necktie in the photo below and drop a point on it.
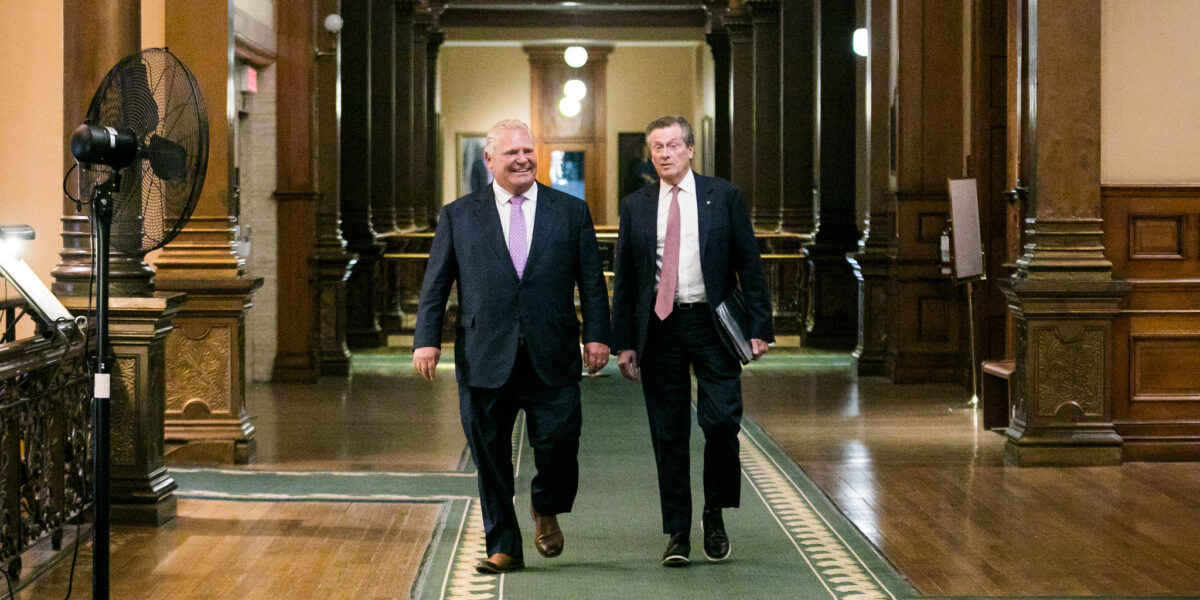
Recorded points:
(668, 277)
(517, 246)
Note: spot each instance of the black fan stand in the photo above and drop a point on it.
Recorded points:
(102, 212)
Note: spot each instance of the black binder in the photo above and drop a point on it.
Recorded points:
(735, 326)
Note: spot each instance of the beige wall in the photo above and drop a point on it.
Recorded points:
(479, 86)
(644, 83)
(31, 125)
(1150, 118)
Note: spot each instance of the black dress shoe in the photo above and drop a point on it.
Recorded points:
(677, 552)
(716, 541)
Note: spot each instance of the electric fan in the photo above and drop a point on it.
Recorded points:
(142, 153)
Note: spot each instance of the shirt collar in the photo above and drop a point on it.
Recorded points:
(503, 195)
(687, 185)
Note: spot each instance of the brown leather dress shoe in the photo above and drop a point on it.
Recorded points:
(498, 564)
(548, 536)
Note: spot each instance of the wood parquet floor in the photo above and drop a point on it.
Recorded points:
(907, 464)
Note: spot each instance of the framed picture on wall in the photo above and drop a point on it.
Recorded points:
(472, 171)
(633, 160)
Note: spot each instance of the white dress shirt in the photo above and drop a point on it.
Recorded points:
(504, 207)
(690, 286)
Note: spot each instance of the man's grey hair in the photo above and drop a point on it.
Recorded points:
(499, 128)
(669, 120)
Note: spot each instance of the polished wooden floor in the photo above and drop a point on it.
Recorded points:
(908, 465)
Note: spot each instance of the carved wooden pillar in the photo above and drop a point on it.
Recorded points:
(718, 41)
(872, 267)
(297, 196)
(434, 137)
(796, 127)
(418, 148)
(140, 489)
(741, 136)
(102, 33)
(833, 306)
(206, 417)
(366, 276)
(384, 166)
(333, 262)
(768, 172)
(1063, 296)
(403, 52)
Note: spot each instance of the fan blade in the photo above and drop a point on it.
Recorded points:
(139, 111)
(168, 159)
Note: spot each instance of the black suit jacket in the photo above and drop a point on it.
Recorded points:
(728, 256)
(495, 307)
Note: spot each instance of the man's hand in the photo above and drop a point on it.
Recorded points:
(595, 356)
(627, 362)
(425, 361)
(758, 348)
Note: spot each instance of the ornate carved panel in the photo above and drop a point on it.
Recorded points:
(1069, 370)
(124, 403)
(198, 380)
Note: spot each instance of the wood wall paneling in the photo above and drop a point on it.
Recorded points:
(1152, 237)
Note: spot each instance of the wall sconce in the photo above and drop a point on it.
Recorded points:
(333, 24)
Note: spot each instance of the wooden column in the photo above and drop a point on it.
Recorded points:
(718, 41)
(796, 128)
(366, 276)
(741, 136)
(141, 491)
(872, 267)
(417, 148)
(434, 137)
(100, 34)
(834, 309)
(384, 165)
(332, 261)
(297, 196)
(403, 51)
(206, 417)
(1063, 296)
(768, 173)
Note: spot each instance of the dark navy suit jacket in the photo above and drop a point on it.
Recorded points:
(495, 307)
(728, 256)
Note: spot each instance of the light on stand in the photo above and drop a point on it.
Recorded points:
(44, 304)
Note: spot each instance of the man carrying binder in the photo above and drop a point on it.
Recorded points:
(686, 245)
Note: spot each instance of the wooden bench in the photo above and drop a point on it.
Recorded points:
(997, 393)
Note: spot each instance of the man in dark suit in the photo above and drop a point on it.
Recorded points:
(517, 250)
(685, 244)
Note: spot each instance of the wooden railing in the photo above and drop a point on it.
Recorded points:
(785, 263)
(45, 432)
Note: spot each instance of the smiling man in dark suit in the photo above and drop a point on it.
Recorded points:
(517, 250)
(685, 244)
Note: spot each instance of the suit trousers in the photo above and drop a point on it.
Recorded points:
(554, 419)
(688, 338)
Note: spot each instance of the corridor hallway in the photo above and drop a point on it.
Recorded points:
(907, 464)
